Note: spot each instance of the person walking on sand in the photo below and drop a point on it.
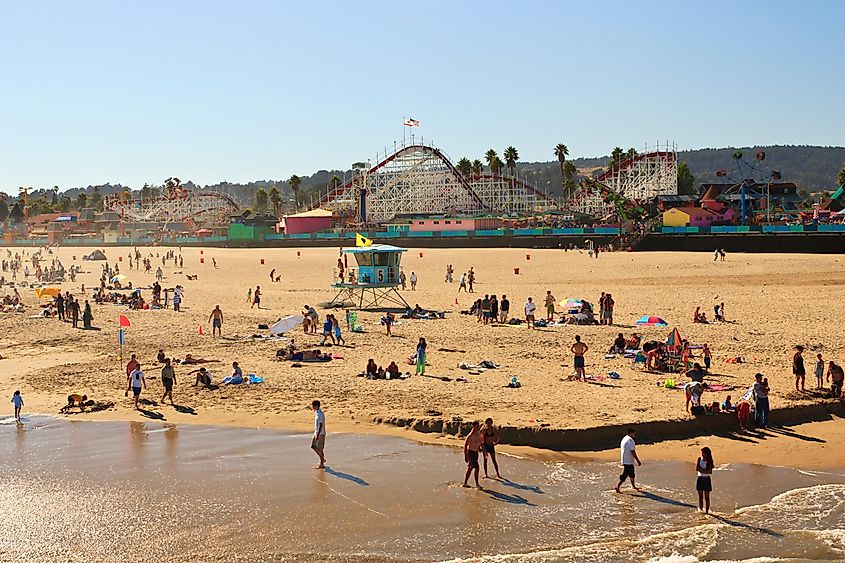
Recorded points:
(798, 367)
(703, 470)
(132, 364)
(550, 306)
(168, 378)
(472, 446)
(337, 333)
(17, 400)
(463, 283)
(318, 442)
(471, 279)
(413, 281)
(249, 295)
(135, 381)
(530, 310)
(272, 273)
(491, 438)
(402, 280)
(256, 297)
(73, 305)
(578, 349)
(629, 455)
(216, 320)
(760, 391)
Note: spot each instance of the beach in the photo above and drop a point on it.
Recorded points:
(772, 303)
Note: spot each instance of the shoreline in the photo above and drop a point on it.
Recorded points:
(773, 445)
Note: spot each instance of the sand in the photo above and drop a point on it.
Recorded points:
(772, 301)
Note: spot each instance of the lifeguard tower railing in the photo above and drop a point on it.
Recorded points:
(374, 280)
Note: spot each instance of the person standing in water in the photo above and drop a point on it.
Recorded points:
(318, 442)
(491, 437)
(472, 445)
(17, 400)
(703, 470)
(629, 455)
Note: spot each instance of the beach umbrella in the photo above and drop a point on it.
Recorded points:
(651, 320)
(285, 324)
(47, 292)
(571, 303)
(674, 340)
(119, 278)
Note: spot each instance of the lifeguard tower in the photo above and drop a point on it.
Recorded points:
(374, 281)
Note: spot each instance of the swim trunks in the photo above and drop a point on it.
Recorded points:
(579, 361)
(472, 459)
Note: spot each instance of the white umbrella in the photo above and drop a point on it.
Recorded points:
(285, 324)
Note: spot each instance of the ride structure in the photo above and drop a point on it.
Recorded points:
(419, 179)
(375, 280)
(751, 181)
(628, 183)
(176, 205)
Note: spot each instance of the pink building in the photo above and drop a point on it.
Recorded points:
(307, 222)
(455, 224)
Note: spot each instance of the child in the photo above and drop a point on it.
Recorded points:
(819, 371)
(387, 320)
(707, 356)
(18, 402)
(727, 406)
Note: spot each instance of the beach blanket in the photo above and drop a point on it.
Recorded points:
(483, 365)
(250, 379)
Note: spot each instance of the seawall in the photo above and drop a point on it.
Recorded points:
(604, 437)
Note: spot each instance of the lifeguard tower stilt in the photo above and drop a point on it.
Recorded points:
(373, 284)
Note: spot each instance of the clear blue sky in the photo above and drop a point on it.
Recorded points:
(134, 92)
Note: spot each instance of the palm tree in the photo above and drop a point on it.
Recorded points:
(491, 157)
(464, 166)
(616, 155)
(477, 167)
(260, 200)
(561, 152)
(841, 177)
(82, 200)
(295, 181)
(511, 156)
(276, 199)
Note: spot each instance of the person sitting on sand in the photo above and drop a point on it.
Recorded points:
(634, 342)
(160, 356)
(727, 405)
(190, 360)
(618, 345)
(372, 369)
(699, 317)
(203, 377)
(393, 370)
(75, 400)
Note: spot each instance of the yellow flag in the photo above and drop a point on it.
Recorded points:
(362, 240)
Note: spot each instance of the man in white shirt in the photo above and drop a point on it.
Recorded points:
(530, 309)
(318, 442)
(135, 381)
(629, 456)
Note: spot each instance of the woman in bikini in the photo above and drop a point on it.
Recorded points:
(490, 438)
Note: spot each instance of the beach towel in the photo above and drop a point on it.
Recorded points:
(255, 379)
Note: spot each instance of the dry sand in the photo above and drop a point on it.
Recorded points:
(772, 301)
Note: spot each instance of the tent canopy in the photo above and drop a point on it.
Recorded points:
(47, 292)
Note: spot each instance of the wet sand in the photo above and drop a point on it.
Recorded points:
(118, 491)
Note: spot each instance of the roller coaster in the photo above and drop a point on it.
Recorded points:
(627, 184)
(419, 179)
(176, 205)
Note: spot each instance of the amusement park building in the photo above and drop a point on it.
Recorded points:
(695, 217)
(307, 222)
(441, 224)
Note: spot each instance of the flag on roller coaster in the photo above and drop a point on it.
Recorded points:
(411, 122)
(361, 240)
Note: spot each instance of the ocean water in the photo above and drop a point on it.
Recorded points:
(119, 491)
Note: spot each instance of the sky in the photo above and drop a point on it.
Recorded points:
(132, 92)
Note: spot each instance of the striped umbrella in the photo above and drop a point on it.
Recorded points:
(674, 341)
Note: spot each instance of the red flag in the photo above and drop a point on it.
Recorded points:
(124, 322)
